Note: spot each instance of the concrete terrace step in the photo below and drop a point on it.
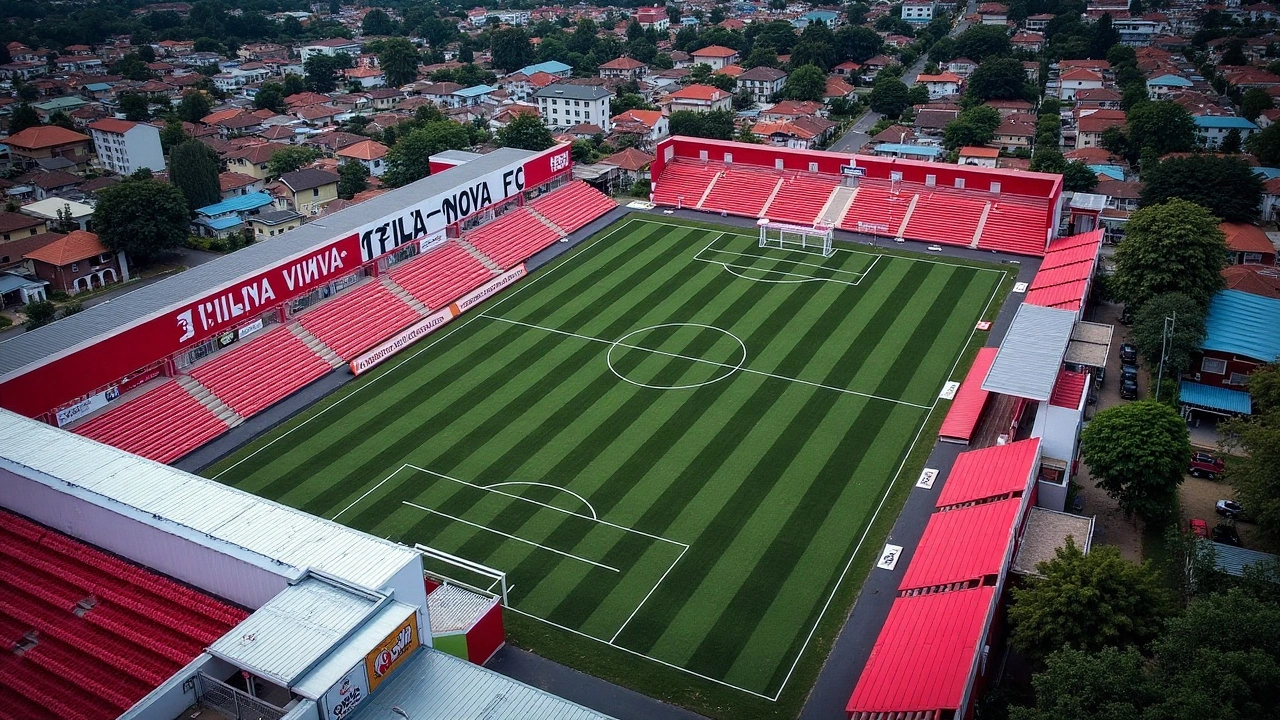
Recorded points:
(832, 214)
(475, 253)
(710, 187)
(209, 400)
(982, 223)
(764, 211)
(317, 345)
(906, 218)
(403, 294)
(547, 221)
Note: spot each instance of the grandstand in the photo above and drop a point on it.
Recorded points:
(987, 209)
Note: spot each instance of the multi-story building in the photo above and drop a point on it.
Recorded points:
(124, 146)
(624, 68)
(716, 56)
(564, 105)
(1213, 129)
(653, 17)
(762, 82)
(918, 11)
(698, 98)
(330, 47)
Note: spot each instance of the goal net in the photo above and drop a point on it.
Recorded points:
(785, 236)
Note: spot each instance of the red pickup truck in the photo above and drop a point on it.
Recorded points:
(1205, 465)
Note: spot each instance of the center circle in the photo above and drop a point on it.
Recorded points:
(630, 341)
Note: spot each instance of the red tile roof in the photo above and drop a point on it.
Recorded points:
(76, 246)
(363, 150)
(623, 63)
(44, 136)
(715, 51)
(700, 92)
(1243, 237)
(1253, 279)
(112, 125)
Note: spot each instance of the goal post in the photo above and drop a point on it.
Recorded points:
(787, 236)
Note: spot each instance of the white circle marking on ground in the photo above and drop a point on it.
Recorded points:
(621, 342)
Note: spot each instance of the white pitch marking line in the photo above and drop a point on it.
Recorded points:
(366, 494)
(545, 505)
(711, 362)
(594, 516)
(506, 535)
(767, 257)
(608, 357)
(646, 597)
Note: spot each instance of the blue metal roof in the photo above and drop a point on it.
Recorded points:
(551, 66)
(1172, 80)
(1245, 324)
(1266, 173)
(224, 223)
(239, 203)
(1224, 121)
(929, 150)
(97, 87)
(10, 282)
(474, 91)
(1115, 172)
(1215, 398)
(1233, 560)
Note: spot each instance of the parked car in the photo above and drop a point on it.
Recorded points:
(1129, 388)
(1229, 509)
(1225, 533)
(1099, 378)
(1126, 316)
(1205, 465)
(1128, 353)
(1199, 528)
(1128, 370)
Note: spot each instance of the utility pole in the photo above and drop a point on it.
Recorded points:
(1165, 339)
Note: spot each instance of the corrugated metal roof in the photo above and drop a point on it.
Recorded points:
(1069, 389)
(288, 635)
(1241, 323)
(1233, 560)
(169, 495)
(925, 655)
(965, 410)
(990, 472)
(453, 608)
(353, 651)
(33, 347)
(1031, 353)
(222, 223)
(239, 203)
(433, 684)
(963, 544)
(1215, 398)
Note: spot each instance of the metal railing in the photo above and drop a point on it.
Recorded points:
(215, 694)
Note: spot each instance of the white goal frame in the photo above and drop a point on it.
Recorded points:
(786, 236)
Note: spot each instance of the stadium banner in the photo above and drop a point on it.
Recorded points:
(392, 651)
(434, 214)
(344, 697)
(424, 327)
(487, 290)
(432, 241)
(89, 404)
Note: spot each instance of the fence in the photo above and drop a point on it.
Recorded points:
(233, 703)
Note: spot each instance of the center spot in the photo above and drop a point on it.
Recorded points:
(676, 356)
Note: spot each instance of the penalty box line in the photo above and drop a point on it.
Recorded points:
(802, 277)
(740, 368)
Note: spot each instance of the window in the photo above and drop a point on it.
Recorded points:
(1213, 366)
(104, 258)
(930, 180)
(1253, 257)
(315, 192)
(813, 167)
(995, 188)
(960, 183)
(1238, 379)
(75, 267)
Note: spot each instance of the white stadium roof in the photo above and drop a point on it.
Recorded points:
(1030, 356)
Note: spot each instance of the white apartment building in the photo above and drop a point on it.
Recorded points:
(918, 11)
(125, 146)
(563, 105)
(330, 47)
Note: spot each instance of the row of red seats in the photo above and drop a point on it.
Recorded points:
(64, 700)
(104, 683)
(441, 276)
(512, 238)
(162, 424)
(741, 191)
(358, 318)
(573, 206)
(945, 217)
(177, 646)
(264, 371)
(1015, 226)
(15, 705)
(800, 199)
(875, 204)
(682, 184)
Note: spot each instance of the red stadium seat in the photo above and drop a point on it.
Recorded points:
(573, 206)
(512, 238)
(945, 216)
(357, 319)
(742, 190)
(252, 377)
(440, 276)
(800, 199)
(683, 182)
(162, 424)
(1015, 225)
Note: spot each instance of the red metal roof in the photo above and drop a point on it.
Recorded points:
(1063, 278)
(963, 544)
(926, 653)
(1069, 388)
(965, 410)
(990, 472)
(1063, 297)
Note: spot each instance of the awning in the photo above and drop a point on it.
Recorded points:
(1215, 399)
(970, 399)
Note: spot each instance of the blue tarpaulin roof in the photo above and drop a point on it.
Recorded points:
(1210, 397)
(1245, 324)
(239, 203)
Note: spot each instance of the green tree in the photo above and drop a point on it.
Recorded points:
(1231, 142)
(143, 218)
(1227, 186)
(998, 79)
(1188, 332)
(1162, 127)
(1088, 602)
(973, 127)
(407, 160)
(134, 107)
(294, 84)
(1173, 247)
(193, 169)
(806, 83)
(378, 22)
(172, 134)
(1077, 177)
(944, 50)
(270, 96)
(353, 177)
(917, 95)
(856, 43)
(194, 106)
(1254, 467)
(889, 96)
(526, 132)
(816, 47)
(23, 117)
(716, 125)
(1138, 453)
(131, 67)
(322, 71)
(39, 314)
(1265, 145)
(511, 48)
(289, 159)
(1254, 101)
(1104, 37)
(1110, 684)
(762, 56)
(980, 42)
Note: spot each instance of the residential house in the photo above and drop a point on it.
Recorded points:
(1091, 124)
(1016, 132)
(1078, 78)
(306, 191)
(50, 183)
(1211, 130)
(633, 163)
(57, 210)
(1248, 244)
(1121, 194)
(918, 12)
(978, 156)
(442, 93)
(941, 85)
(762, 83)
(624, 68)
(698, 98)
(1104, 98)
(66, 105)
(821, 17)
(900, 134)
(507, 113)
(370, 153)
(228, 217)
(874, 65)
(648, 126)
(1241, 334)
(564, 105)
(472, 96)
(653, 17)
(963, 67)
(273, 222)
(992, 13)
(1009, 107)
(923, 153)
(847, 69)
(124, 147)
(330, 47)
(384, 98)
(367, 77)
(232, 184)
(236, 78)
(802, 133)
(1253, 279)
(551, 67)
(717, 56)
(1027, 41)
(1166, 86)
(48, 141)
(932, 122)
(78, 262)
(1038, 22)
(252, 160)
(16, 225)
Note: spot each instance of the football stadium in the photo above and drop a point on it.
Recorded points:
(662, 443)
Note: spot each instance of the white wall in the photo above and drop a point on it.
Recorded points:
(142, 145)
(408, 587)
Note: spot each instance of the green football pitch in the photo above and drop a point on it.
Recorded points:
(671, 440)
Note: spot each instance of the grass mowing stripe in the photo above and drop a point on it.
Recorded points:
(924, 333)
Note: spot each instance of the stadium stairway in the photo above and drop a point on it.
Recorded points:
(837, 206)
(710, 189)
(261, 372)
(481, 257)
(317, 345)
(403, 294)
(572, 206)
(163, 423)
(209, 400)
(546, 221)
(982, 223)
